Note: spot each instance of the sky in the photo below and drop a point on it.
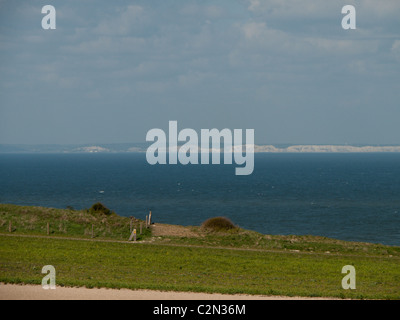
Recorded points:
(113, 70)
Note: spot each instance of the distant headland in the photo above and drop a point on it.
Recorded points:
(142, 147)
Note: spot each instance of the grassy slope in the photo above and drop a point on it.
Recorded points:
(246, 239)
(67, 223)
(156, 266)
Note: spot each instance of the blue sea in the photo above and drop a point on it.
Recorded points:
(352, 197)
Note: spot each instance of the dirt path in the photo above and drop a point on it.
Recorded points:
(34, 292)
(159, 230)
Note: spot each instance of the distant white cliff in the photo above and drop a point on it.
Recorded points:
(325, 149)
(93, 149)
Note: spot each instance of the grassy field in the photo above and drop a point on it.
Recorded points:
(245, 239)
(238, 261)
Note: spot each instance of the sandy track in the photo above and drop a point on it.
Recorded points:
(34, 292)
(159, 230)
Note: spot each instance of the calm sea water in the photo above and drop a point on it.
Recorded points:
(345, 196)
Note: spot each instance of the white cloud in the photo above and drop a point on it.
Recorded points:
(396, 49)
(123, 22)
(259, 37)
(347, 47)
(318, 9)
(254, 30)
(292, 8)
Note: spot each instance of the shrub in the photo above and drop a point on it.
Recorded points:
(218, 224)
(100, 208)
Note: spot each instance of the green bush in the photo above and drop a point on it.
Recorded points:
(100, 208)
(218, 224)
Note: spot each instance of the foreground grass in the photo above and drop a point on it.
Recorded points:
(149, 266)
(238, 261)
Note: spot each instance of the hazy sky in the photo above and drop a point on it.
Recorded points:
(112, 70)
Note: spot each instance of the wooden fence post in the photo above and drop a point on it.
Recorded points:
(150, 219)
(10, 227)
(133, 235)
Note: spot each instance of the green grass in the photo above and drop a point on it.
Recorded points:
(67, 223)
(236, 261)
(146, 266)
(245, 239)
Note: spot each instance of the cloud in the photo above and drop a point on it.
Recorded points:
(258, 37)
(247, 63)
(318, 9)
(396, 49)
(324, 17)
(285, 9)
(122, 22)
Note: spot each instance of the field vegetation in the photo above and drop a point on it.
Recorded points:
(224, 260)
